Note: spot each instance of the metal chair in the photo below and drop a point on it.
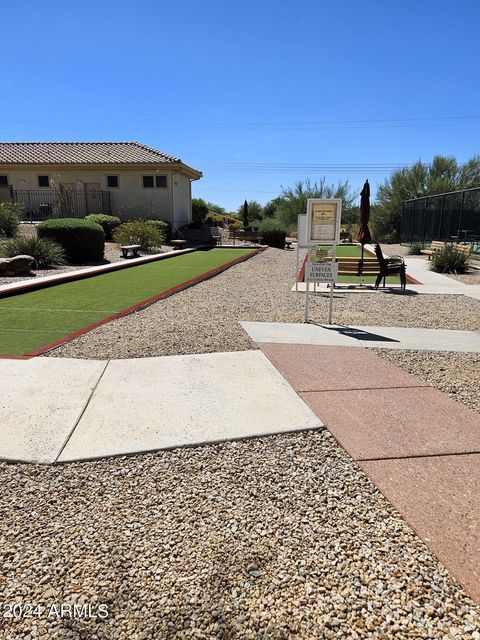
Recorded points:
(394, 265)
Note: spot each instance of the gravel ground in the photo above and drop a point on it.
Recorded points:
(269, 538)
(205, 318)
(457, 374)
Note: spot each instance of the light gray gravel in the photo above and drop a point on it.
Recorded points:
(206, 317)
(272, 538)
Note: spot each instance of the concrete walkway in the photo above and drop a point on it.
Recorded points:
(421, 448)
(369, 337)
(60, 409)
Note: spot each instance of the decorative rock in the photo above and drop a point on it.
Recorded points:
(17, 266)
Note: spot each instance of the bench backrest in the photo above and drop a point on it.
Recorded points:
(245, 235)
(463, 248)
(437, 244)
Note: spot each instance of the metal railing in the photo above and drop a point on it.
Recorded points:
(451, 217)
(42, 204)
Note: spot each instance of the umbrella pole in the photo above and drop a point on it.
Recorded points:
(361, 266)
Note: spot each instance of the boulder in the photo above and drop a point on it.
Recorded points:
(16, 266)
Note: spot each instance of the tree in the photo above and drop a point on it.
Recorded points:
(216, 208)
(199, 210)
(292, 202)
(421, 179)
(255, 211)
(270, 208)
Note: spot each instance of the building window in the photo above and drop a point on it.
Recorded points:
(4, 181)
(112, 182)
(148, 181)
(155, 181)
(43, 181)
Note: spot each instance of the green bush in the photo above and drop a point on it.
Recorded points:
(199, 210)
(108, 223)
(164, 226)
(9, 218)
(146, 234)
(82, 240)
(45, 253)
(235, 226)
(449, 260)
(273, 233)
(210, 221)
(415, 249)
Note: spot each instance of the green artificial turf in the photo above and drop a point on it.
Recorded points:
(349, 251)
(34, 319)
(371, 280)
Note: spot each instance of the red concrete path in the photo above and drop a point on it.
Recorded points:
(420, 447)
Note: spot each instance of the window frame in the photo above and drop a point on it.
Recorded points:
(4, 184)
(152, 186)
(162, 186)
(113, 187)
(42, 186)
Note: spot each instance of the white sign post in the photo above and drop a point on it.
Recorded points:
(322, 227)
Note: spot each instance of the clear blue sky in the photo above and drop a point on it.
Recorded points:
(228, 85)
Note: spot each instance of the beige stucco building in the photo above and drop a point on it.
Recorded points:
(127, 179)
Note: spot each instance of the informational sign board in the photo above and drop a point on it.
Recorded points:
(323, 220)
(321, 266)
(321, 272)
(302, 241)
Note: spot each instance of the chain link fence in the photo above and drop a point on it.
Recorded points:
(450, 217)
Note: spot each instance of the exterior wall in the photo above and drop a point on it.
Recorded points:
(130, 200)
(182, 202)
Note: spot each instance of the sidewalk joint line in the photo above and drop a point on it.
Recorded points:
(413, 386)
(82, 412)
(419, 455)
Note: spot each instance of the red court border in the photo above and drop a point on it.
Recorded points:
(138, 305)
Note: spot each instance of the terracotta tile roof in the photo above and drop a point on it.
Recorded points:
(81, 153)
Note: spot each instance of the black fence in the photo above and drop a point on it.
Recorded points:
(42, 204)
(450, 217)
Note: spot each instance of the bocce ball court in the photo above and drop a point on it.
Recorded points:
(33, 321)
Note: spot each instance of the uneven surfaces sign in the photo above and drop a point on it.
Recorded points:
(321, 271)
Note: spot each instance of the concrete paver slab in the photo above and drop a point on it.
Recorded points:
(41, 401)
(439, 498)
(315, 368)
(293, 333)
(395, 423)
(361, 336)
(157, 403)
(428, 339)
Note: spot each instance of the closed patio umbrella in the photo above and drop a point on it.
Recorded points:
(364, 236)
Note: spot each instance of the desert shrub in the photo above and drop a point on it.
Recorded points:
(146, 234)
(108, 223)
(210, 221)
(199, 210)
(45, 253)
(9, 218)
(82, 240)
(164, 226)
(273, 233)
(415, 249)
(449, 260)
(219, 221)
(235, 226)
